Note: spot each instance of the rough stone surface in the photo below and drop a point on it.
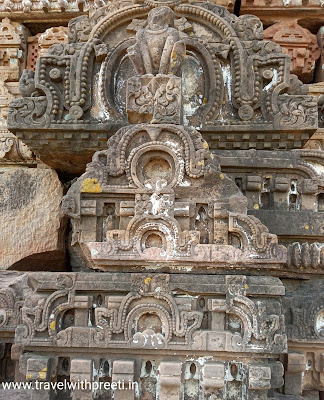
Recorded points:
(31, 220)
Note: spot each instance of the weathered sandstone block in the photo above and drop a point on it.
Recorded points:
(30, 219)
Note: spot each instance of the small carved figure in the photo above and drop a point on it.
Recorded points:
(158, 48)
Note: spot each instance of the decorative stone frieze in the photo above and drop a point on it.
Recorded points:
(143, 311)
(153, 223)
(283, 189)
(13, 48)
(235, 87)
(146, 314)
(47, 6)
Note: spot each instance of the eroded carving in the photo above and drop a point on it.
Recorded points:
(165, 163)
(146, 313)
(214, 74)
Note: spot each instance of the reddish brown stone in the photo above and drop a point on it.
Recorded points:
(299, 44)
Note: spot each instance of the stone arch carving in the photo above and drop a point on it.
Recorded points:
(243, 85)
(253, 234)
(131, 323)
(185, 147)
(174, 323)
(138, 165)
(40, 314)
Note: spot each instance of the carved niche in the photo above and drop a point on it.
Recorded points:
(207, 69)
(300, 44)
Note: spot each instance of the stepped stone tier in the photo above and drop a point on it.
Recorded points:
(162, 199)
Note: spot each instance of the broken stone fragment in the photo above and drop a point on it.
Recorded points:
(31, 219)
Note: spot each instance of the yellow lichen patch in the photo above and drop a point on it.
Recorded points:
(246, 286)
(184, 55)
(147, 281)
(221, 176)
(174, 56)
(42, 375)
(256, 206)
(211, 156)
(52, 325)
(204, 100)
(201, 163)
(306, 227)
(191, 34)
(206, 145)
(91, 185)
(28, 376)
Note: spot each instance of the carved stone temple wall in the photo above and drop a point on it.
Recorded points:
(162, 199)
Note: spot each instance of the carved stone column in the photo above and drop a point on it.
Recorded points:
(82, 371)
(122, 376)
(295, 368)
(39, 371)
(214, 379)
(170, 380)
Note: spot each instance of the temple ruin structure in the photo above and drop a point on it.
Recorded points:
(162, 199)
